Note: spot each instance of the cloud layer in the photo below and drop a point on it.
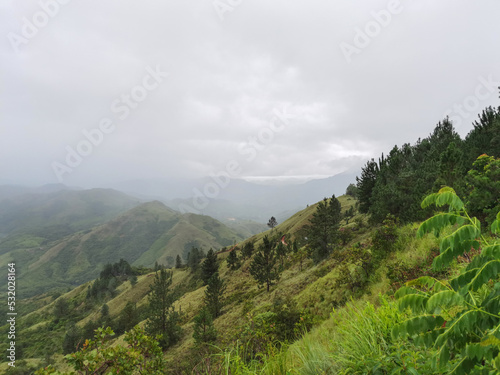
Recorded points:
(354, 79)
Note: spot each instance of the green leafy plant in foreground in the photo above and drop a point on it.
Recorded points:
(458, 318)
(143, 355)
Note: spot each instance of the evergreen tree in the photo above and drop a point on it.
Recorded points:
(72, 339)
(61, 308)
(133, 280)
(247, 250)
(272, 223)
(162, 318)
(194, 257)
(128, 318)
(204, 330)
(349, 214)
(366, 183)
(209, 266)
(264, 264)
(214, 295)
(105, 318)
(178, 262)
(323, 229)
(233, 262)
(352, 191)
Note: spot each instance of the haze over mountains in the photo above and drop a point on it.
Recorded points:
(62, 236)
(237, 198)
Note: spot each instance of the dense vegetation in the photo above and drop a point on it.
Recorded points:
(398, 182)
(415, 292)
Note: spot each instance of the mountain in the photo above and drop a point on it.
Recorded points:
(41, 211)
(148, 233)
(224, 198)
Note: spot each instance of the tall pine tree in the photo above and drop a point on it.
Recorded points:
(214, 295)
(209, 266)
(322, 231)
(264, 266)
(162, 318)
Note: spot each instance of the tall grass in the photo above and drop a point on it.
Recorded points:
(363, 336)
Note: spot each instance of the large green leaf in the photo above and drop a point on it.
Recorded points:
(413, 326)
(445, 196)
(444, 300)
(416, 302)
(440, 221)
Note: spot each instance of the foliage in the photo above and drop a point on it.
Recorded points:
(178, 262)
(363, 343)
(272, 222)
(194, 258)
(483, 185)
(345, 235)
(397, 183)
(264, 266)
(323, 229)
(400, 272)
(247, 250)
(61, 308)
(349, 214)
(457, 318)
(354, 268)
(204, 330)
(72, 339)
(162, 318)
(352, 191)
(233, 262)
(98, 356)
(128, 318)
(214, 295)
(209, 266)
(385, 237)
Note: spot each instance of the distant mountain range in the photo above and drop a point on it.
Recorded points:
(143, 235)
(62, 237)
(224, 199)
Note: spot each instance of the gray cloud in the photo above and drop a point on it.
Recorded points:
(226, 79)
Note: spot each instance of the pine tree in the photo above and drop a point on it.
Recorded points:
(264, 264)
(214, 293)
(272, 223)
(233, 262)
(163, 319)
(178, 262)
(247, 250)
(128, 318)
(194, 257)
(209, 266)
(204, 330)
(323, 229)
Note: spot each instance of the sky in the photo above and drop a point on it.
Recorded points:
(94, 92)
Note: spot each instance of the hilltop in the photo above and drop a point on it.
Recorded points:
(143, 235)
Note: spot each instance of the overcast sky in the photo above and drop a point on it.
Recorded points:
(98, 91)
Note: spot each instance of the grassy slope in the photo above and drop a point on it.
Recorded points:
(147, 233)
(313, 288)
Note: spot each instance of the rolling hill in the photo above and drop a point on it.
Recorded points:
(148, 233)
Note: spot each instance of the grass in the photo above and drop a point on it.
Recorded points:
(315, 291)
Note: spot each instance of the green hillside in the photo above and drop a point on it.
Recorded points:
(31, 220)
(300, 281)
(143, 235)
